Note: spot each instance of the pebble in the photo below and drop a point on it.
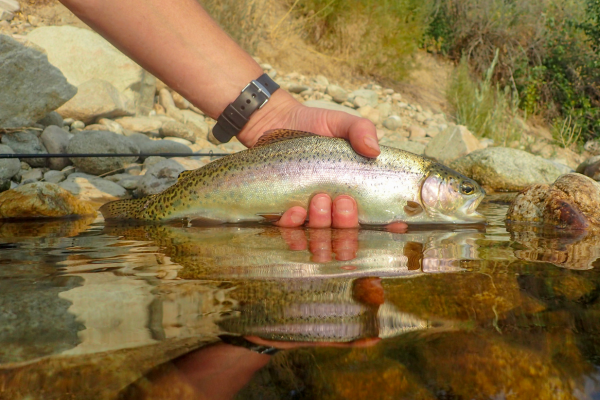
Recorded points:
(33, 175)
(26, 142)
(54, 176)
(9, 167)
(392, 122)
(179, 101)
(337, 93)
(178, 140)
(77, 125)
(111, 125)
(92, 188)
(140, 124)
(416, 132)
(179, 130)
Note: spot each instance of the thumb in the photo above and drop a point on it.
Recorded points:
(359, 131)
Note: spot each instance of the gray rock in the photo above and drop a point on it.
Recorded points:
(338, 93)
(26, 142)
(52, 118)
(159, 177)
(298, 88)
(196, 122)
(331, 106)
(149, 146)
(9, 167)
(392, 123)
(95, 98)
(33, 175)
(166, 100)
(385, 109)
(416, 132)
(31, 86)
(506, 169)
(453, 143)
(370, 96)
(54, 176)
(55, 140)
(92, 188)
(590, 167)
(82, 54)
(178, 140)
(140, 124)
(10, 5)
(177, 129)
(79, 125)
(321, 80)
(5, 184)
(101, 142)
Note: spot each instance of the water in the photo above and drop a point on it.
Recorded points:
(89, 311)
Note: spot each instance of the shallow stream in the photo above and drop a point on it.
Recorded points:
(91, 311)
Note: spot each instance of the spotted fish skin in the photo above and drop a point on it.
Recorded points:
(271, 178)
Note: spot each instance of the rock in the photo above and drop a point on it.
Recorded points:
(571, 202)
(338, 94)
(321, 80)
(82, 54)
(41, 199)
(33, 175)
(385, 110)
(370, 96)
(26, 142)
(52, 118)
(96, 98)
(196, 122)
(54, 176)
(360, 102)
(372, 114)
(10, 5)
(129, 182)
(55, 140)
(140, 124)
(506, 169)
(593, 146)
(101, 142)
(95, 127)
(331, 106)
(92, 188)
(5, 184)
(178, 140)
(111, 125)
(79, 125)
(31, 86)
(159, 177)
(416, 132)
(453, 143)
(392, 122)
(149, 146)
(177, 129)
(590, 167)
(166, 100)
(298, 88)
(9, 167)
(180, 101)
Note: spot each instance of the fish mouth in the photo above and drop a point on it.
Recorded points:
(469, 210)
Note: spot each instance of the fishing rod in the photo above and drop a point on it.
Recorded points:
(82, 155)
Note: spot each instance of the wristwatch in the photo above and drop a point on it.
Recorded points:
(254, 96)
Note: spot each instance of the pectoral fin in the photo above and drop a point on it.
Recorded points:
(413, 208)
(271, 217)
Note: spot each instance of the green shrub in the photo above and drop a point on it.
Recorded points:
(481, 106)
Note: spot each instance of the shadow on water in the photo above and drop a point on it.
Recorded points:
(94, 311)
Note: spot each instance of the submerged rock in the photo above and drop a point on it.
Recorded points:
(506, 169)
(41, 199)
(571, 202)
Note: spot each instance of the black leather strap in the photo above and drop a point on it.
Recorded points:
(254, 96)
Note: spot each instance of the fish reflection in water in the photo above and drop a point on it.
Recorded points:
(311, 285)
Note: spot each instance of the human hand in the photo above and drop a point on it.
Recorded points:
(283, 111)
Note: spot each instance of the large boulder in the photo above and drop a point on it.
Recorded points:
(41, 199)
(453, 143)
(506, 169)
(26, 142)
(96, 99)
(101, 142)
(82, 55)
(31, 86)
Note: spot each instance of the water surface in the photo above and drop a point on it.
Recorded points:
(130, 312)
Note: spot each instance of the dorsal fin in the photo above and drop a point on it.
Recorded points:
(184, 174)
(278, 135)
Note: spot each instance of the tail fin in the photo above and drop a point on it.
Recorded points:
(124, 209)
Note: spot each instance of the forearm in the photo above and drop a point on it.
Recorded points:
(178, 42)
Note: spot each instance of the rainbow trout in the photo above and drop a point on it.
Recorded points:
(286, 168)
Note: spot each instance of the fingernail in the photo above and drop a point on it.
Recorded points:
(297, 217)
(321, 203)
(344, 206)
(371, 143)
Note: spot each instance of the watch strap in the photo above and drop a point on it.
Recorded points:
(235, 116)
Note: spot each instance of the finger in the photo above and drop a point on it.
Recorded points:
(359, 131)
(320, 245)
(344, 212)
(345, 244)
(294, 238)
(319, 211)
(295, 216)
(397, 227)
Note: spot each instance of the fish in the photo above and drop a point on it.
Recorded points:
(287, 168)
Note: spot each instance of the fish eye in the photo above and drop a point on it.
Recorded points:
(467, 188)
